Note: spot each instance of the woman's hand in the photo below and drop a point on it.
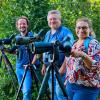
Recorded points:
(86, 59)
(77, 53)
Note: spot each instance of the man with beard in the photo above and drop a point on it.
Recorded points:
(24, 57)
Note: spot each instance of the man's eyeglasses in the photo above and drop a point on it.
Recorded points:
(84, 27)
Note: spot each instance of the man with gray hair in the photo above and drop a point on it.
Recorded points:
(56, 32)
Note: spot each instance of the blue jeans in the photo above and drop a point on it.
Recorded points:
(80, 92)
(58, 94)
(27, 85)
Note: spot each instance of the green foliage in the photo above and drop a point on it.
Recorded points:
(10, 10)
(71, 10)
(6, 89)
(36, 11)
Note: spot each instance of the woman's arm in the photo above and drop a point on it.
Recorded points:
(93, 57)
(62, 69)
(87, 60)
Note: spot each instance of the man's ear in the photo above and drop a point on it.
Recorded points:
(61, 20)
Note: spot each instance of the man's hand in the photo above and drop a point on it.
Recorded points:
(2, 47)
(43, 70)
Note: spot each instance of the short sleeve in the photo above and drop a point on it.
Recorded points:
(94, 52)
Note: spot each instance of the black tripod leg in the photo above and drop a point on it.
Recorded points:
(60, 82)
(14, 81)
(45, 79)
(7, 62)
(52, 95)
(24, 75)
(34, 75)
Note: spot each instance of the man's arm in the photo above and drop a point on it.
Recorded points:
(11, 50)
(62, 69)
(34, 59)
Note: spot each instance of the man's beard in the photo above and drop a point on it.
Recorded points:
(23, 30)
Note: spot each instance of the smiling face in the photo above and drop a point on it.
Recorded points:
(82, 29)
(22, 26)
(54, 21)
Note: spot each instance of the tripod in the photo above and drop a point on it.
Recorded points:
(53, 67)
(9, 68)
(33, 73)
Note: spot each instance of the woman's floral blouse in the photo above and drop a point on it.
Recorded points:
(76, 70)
